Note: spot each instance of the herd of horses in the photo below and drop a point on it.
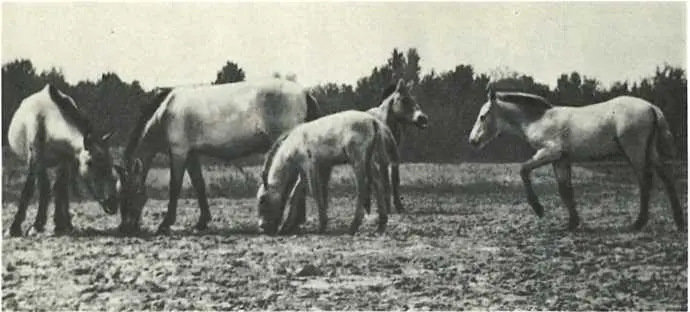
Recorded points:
(281, 119)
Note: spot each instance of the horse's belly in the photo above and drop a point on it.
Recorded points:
(591, 146)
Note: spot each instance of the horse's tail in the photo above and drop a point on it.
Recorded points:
(387, 146)
(665, 141)
(313, 108)
(268, 159)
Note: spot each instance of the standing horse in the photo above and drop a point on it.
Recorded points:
(398, 109)
(562, 135)
(225, 121)
(48, 131)
(312, 149)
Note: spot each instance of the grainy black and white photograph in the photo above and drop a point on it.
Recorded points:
(357, 156)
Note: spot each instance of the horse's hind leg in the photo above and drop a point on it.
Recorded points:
(383, 195)
(43, 200)
(563, 171)
(362, 174)
(197, 178)
(665, 177)
(27, 193)
(177, 168)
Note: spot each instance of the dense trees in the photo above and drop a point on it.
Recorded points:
(451, 99)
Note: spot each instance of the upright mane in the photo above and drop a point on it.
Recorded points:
(147, 111)
(70, 111)
(387, 92)
(525, 101)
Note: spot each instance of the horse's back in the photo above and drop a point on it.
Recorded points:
(234, 118)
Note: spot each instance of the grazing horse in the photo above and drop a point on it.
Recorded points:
(226, 121)
(49, 131)
(398, 109)
(312, 149)
(561, 135)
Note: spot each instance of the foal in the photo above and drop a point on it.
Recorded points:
(312, 149)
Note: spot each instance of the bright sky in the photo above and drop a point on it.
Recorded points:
(187, 43)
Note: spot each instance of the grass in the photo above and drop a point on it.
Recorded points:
(467, 241)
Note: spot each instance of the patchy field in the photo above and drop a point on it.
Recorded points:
(468, 241)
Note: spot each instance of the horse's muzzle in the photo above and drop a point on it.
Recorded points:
(110, 205)
(422, 121)
(474, 143)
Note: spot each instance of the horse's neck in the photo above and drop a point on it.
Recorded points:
(385, 113)
(516, 121)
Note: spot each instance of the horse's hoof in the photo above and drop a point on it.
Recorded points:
(16, 231)
(572, 226)
(163, 230)
(638, 225)
(201, 226)
(39, 228)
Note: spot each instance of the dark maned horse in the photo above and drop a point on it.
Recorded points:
(561, 135)
(48, 131)
(226, 121)
(399, 108)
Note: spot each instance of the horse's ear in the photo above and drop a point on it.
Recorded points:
(400, 86)
(410, 85)
(137, 166)
(107, 136)
(491, 92)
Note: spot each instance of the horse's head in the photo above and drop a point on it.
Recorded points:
(132, 196)
(96, 168)
(269, 201)
(487, 126)
(405, 108)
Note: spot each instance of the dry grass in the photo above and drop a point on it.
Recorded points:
(468, 241)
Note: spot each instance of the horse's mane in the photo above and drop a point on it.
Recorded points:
(70, 110)
(525, 100)
(147, 111)
(268, 159)
(387, 92)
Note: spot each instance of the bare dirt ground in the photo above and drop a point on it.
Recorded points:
(468, 241)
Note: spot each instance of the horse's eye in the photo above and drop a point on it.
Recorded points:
(482, 117)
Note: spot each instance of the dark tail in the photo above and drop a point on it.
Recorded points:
(665, 141)
(313, 108)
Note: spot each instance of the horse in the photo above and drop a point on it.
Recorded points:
(397, 109)
(225, 121)
(48, 131)
(312, 150)
(562, 135)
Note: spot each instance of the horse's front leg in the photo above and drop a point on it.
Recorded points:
(25, 197)
(395, 185)
(362, 174)
(177, 168)
(563, 171)
(197, 178)
(43, 200)
(61, 217)
(540, 158)
(315, 183)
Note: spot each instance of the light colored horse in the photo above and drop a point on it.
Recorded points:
(312, 149)
(48, 131)
(561, 135)
(399, 108)
(225, 121)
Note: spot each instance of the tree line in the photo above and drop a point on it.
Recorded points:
(451, 99)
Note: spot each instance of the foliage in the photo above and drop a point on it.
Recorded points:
(451, 99)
